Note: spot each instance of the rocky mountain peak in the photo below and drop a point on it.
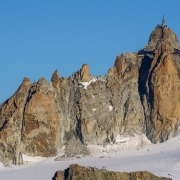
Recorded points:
(85, 73)
(159, 34)
(55, 80)
(139, 96)
(163, 94)
(125, 67)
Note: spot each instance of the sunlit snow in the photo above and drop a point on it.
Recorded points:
(160, 159)
(27, 158)
(110, 108)
(86, 84)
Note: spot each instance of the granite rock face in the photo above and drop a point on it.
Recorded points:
(11, 117)
(110, 106)
(30, 123)
(160, 34)
(55, 80)
(41, 122)
(85, 73)
(139, 95)
(163, 96)
(76, 172)
(159, 88)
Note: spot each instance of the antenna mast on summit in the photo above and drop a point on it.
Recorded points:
(163, 21)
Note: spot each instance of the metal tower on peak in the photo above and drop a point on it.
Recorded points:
(163, 21)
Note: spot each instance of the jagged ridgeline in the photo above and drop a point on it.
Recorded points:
(139, 95)
(77, 172)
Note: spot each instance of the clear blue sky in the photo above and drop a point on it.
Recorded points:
(39, 36)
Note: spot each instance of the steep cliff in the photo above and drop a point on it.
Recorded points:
(161, 86)
(163, 96)
(41, 127)
(76, 172)
(11, 118)
(110, 106)
(139, 95)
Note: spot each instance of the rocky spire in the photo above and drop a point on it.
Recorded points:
(163, 93)
(55, 80)
(159, 34)
(85, 73)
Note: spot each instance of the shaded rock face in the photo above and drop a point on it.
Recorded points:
(137, 96)
(76, 172)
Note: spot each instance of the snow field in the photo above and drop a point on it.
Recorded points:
(160, 159)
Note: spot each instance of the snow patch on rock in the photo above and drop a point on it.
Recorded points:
(27, 158)
(86, 84)
(110, 108)
(121, 144)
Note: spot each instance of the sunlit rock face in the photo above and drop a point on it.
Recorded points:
(111, 105)
(30, 123)
(160, 34)
(85, 73)
(139, 95)
(11, 118)
(77, 172)
(55, 80)
(163, 96)
(41, 123)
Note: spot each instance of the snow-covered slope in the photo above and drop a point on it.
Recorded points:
(161, 159)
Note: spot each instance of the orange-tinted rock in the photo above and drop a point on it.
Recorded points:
(127, 66)
(41, 123)
(139, 95)
(112, 71)
(85, 73)
(11, 117)
(29, 123)
(76, 172)
(55, 80)
(164, 96)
